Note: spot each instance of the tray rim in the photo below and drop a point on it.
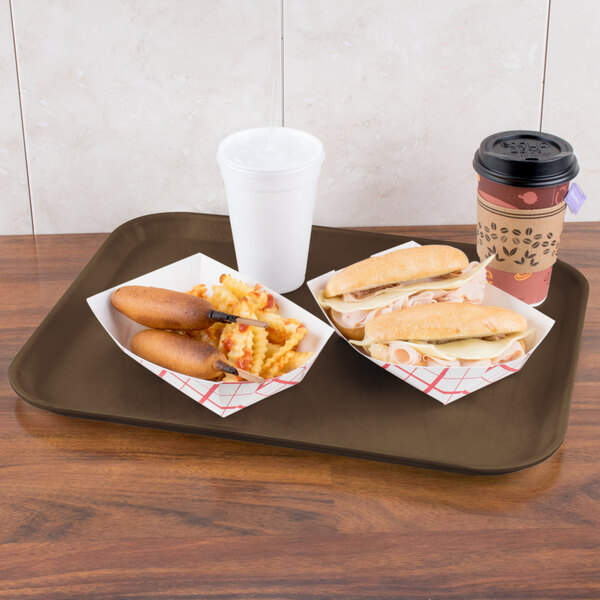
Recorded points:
(320, 449)
(13, 370)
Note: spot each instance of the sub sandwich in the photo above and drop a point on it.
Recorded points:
(448, 334)
(398, 280)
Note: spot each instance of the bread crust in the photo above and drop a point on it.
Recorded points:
(405, 264)
(444, 321)
(351, 333)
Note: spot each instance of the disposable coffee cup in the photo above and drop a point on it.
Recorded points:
(523, 180)
(270, 177)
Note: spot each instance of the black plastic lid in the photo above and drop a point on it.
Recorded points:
(526, 159)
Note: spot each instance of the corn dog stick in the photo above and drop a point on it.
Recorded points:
(222, 317)
(227, 368)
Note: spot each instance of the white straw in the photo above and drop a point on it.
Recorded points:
(274, 98)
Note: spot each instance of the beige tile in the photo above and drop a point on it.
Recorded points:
(402, 93)
(125, 102)
(572, 97)
(14, 198)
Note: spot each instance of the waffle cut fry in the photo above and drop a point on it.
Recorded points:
(214, 333)
(297, 359)
(271, 349)
(262, 300)
(287, 362)
(237, 340)
(223, 299)
(277, 361)
(260, 350)
(199, 290)
(201, 335)
(235, 286)
(259, 298)
(277, 329)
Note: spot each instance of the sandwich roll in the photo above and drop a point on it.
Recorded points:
(443, 322)
(350, 333)
(401, 265)
(398, 280)
(447, 334)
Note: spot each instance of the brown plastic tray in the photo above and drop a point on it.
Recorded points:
(71, 366)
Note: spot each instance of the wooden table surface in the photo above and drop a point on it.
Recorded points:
(99, 510)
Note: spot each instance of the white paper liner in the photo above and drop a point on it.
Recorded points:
(222, 398)
(447, 384)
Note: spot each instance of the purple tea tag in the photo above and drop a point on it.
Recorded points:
(575, 198)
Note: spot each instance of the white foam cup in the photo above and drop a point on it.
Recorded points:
(270, 177)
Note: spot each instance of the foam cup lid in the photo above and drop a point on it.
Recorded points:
(265, 151)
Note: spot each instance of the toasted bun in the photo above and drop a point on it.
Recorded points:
(399, 266)
(354, 333)
(444, 321)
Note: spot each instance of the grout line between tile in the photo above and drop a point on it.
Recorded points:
(545, 63)
(282, 55)
(14, 40)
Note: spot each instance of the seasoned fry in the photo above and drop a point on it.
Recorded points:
(276, 330)
(199, 290)
(267, 352)
(262, 300)
(277, 367)
(237, 345)
(231, 378)
(273, 364)
(237, 340)
(271, 349)
(235, 286)
(260, 350)
(223, 300)
(201, 335)
(297, 359)
(287, 362)
(214, 333)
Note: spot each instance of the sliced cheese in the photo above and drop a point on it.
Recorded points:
(469, 349)
(399, 291)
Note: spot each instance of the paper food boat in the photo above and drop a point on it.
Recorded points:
(222, 398)
(447, 384)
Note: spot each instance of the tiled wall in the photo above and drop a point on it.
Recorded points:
(122, 103)
(15, 214)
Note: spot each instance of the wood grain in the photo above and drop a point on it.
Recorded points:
(99, 510)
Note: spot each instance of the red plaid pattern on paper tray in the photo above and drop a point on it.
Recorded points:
(450, 383)
(225, 398)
